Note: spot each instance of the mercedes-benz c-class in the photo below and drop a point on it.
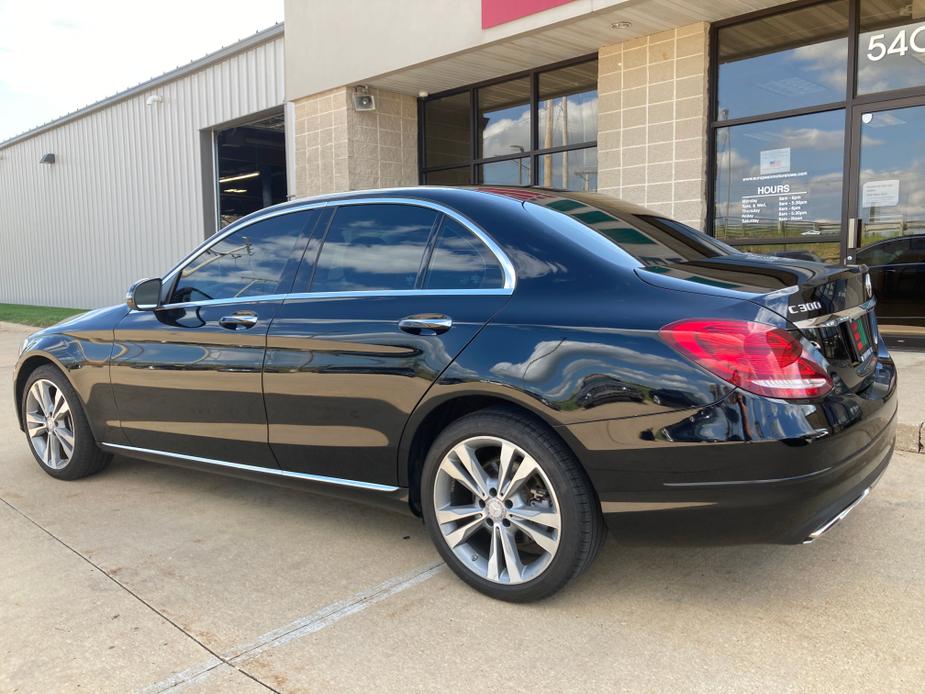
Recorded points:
(519, 367)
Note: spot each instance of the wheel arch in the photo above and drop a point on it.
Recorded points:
(25, 369)
(432, 417)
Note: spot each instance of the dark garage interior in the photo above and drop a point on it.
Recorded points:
(251, 167)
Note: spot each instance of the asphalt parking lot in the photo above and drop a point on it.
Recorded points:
(152, 578)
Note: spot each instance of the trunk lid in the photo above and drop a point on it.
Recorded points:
(830, 305)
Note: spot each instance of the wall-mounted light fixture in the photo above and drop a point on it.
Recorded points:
(154, 99)
(362, 99)
(47, 158)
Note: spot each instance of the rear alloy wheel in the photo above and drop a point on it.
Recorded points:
(508, 506)
(497, 510)
(57, 428)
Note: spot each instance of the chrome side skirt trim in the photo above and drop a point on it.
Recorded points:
(321, 479)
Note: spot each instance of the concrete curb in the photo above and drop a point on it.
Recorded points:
(909, 437)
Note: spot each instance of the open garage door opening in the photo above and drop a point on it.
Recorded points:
(251, 168)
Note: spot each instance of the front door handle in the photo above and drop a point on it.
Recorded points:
(238, 321)
(426, 324)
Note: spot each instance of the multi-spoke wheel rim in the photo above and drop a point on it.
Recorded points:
(50, 424)
(497, 510)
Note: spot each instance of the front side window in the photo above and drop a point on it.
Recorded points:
(461, 261)
(373, 247)
(246, 263)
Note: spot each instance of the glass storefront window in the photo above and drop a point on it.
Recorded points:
(504, 118)
(512, 172)
(784, 61)
(459, 176)
(891, 182)
(509, 146)
(781, 179)
(448, 134)
(573, 169)
(567, 111)
(891, 47)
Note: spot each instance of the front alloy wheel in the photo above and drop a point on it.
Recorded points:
(497, 510)
(56, 426)
(49, 424)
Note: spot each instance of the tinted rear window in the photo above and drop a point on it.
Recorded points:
(650, 239)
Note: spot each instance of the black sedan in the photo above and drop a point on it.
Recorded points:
(513, 365)
(897, 271)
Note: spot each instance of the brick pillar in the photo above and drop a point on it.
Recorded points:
(339, 149)
(652, 122)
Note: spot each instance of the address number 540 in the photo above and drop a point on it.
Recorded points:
(878, 50)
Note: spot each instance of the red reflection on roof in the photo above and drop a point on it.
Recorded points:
(523, 194)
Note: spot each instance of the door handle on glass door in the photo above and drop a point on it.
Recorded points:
(426, 324)
(238, 321)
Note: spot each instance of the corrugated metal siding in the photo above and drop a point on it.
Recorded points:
(124, 199)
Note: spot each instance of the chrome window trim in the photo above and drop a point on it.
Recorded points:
(507, 268)
(373, 293)
(322, 479)
(400, 292)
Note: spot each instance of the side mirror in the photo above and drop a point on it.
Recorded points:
(144, 295)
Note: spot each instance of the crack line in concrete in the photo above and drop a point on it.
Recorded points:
(318, 620)
(140, 599)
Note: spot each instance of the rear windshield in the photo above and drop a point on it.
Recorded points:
(649, 239)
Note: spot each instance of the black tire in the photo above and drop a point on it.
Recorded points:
(86, 458)
(582, 531)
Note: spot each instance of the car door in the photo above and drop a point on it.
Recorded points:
(390, 294)
(187, 376)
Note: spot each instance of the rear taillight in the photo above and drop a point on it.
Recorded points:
(756, 357)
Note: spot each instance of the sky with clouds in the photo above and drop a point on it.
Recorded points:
(56, 57)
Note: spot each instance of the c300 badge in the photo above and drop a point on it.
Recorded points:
(804, 308)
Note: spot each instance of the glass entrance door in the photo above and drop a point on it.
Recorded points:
(886, 208)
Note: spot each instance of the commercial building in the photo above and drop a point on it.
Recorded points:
(123, 188)
(792, 128)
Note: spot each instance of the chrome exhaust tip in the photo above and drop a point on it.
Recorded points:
(822, 529)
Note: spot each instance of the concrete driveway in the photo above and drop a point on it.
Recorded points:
(147, 578)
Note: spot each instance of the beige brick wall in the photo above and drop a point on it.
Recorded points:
(652, 121)
(339, 149)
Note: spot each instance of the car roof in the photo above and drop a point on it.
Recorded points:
(450, 194)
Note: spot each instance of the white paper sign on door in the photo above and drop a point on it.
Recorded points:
(880, 193)
(774, 161)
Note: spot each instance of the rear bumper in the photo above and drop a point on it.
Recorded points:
(720, 483)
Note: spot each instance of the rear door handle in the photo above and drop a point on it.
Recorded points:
(426, 324)
(238, 321)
